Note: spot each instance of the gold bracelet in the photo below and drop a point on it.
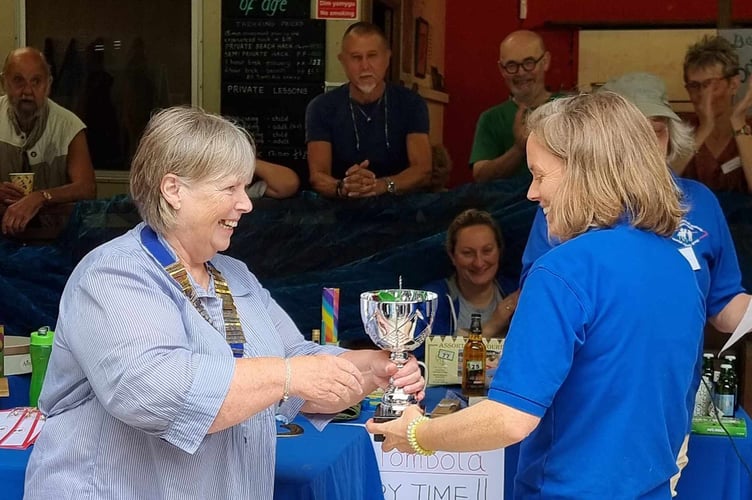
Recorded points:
(413, 440)
(745, 130)
(288, 376)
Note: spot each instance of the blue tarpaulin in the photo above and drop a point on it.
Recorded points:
(297, 246)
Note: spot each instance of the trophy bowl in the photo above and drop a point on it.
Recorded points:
(398, 321)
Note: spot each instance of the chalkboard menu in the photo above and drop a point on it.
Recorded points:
(272, 66)
(273, 50)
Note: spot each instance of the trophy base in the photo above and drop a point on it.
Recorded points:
(384, 414)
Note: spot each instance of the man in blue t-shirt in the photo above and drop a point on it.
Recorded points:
(367, 138)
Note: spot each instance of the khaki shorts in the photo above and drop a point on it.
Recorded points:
(681, 461)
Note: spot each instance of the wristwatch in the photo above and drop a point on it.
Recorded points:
(745, 130)
(391, 187)
(47, 196)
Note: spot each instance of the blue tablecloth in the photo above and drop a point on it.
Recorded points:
(335, 464)
(715, 470)
(339, 462)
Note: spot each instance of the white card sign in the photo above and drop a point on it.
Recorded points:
(741, 39)
(445, 475)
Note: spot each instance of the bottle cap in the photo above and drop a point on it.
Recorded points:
(708, 355)
(44, 336)
(726, 366)
(730, 357)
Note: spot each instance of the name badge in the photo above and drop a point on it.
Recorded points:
(689, 254)
(731, 165)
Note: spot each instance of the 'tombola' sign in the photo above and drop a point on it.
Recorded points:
(443, 476)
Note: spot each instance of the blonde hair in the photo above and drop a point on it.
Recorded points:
(192, 144)
(614, 168)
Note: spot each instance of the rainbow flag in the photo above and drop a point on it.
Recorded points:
(329, 315)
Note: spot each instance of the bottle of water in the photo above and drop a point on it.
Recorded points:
(40, 347)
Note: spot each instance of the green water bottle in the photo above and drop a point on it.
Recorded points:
(40, 347)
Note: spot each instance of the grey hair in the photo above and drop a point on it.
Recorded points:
(192, 144)
(681, 142)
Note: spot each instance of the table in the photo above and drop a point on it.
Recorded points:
(337, 463)
(714, 470)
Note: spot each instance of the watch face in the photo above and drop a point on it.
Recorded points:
(390, 187)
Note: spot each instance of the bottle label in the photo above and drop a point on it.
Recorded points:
(726, 404)
(475, 373)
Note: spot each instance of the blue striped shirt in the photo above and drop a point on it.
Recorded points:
(137, 377)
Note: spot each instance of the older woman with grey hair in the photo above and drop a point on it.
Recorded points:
(572, 380)
(171, 362)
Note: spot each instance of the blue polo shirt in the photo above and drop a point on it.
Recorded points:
(602, 347)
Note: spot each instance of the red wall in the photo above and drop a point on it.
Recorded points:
(475, 28)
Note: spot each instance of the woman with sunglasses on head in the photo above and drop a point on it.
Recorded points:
(723, 138)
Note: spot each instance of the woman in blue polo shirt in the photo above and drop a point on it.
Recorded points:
(577, 380)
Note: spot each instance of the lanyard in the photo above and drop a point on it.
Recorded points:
(233, 330)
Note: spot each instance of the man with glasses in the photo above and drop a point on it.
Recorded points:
(500, 137)
(723, 138)
(38, 136)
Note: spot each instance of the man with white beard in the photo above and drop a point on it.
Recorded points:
(367, 137)
(499, 146)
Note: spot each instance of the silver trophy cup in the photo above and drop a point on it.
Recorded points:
(398, 321)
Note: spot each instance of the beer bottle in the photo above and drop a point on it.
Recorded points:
(707, 364)
(731, 360)
(725, 392)
(474, 360)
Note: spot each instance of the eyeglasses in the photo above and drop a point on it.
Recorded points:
(528, 64)
(693, 87)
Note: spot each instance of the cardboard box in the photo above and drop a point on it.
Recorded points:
(736, 427)
(17, 359)
(444, 359)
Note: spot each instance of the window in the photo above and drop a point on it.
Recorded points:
(113, 62)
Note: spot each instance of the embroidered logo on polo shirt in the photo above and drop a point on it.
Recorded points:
(688, 234)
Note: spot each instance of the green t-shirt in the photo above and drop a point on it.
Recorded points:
(494, 134)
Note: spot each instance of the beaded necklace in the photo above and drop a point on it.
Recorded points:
(369, 118)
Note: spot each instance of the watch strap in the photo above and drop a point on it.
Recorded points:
(391, 187)
(745, 130)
